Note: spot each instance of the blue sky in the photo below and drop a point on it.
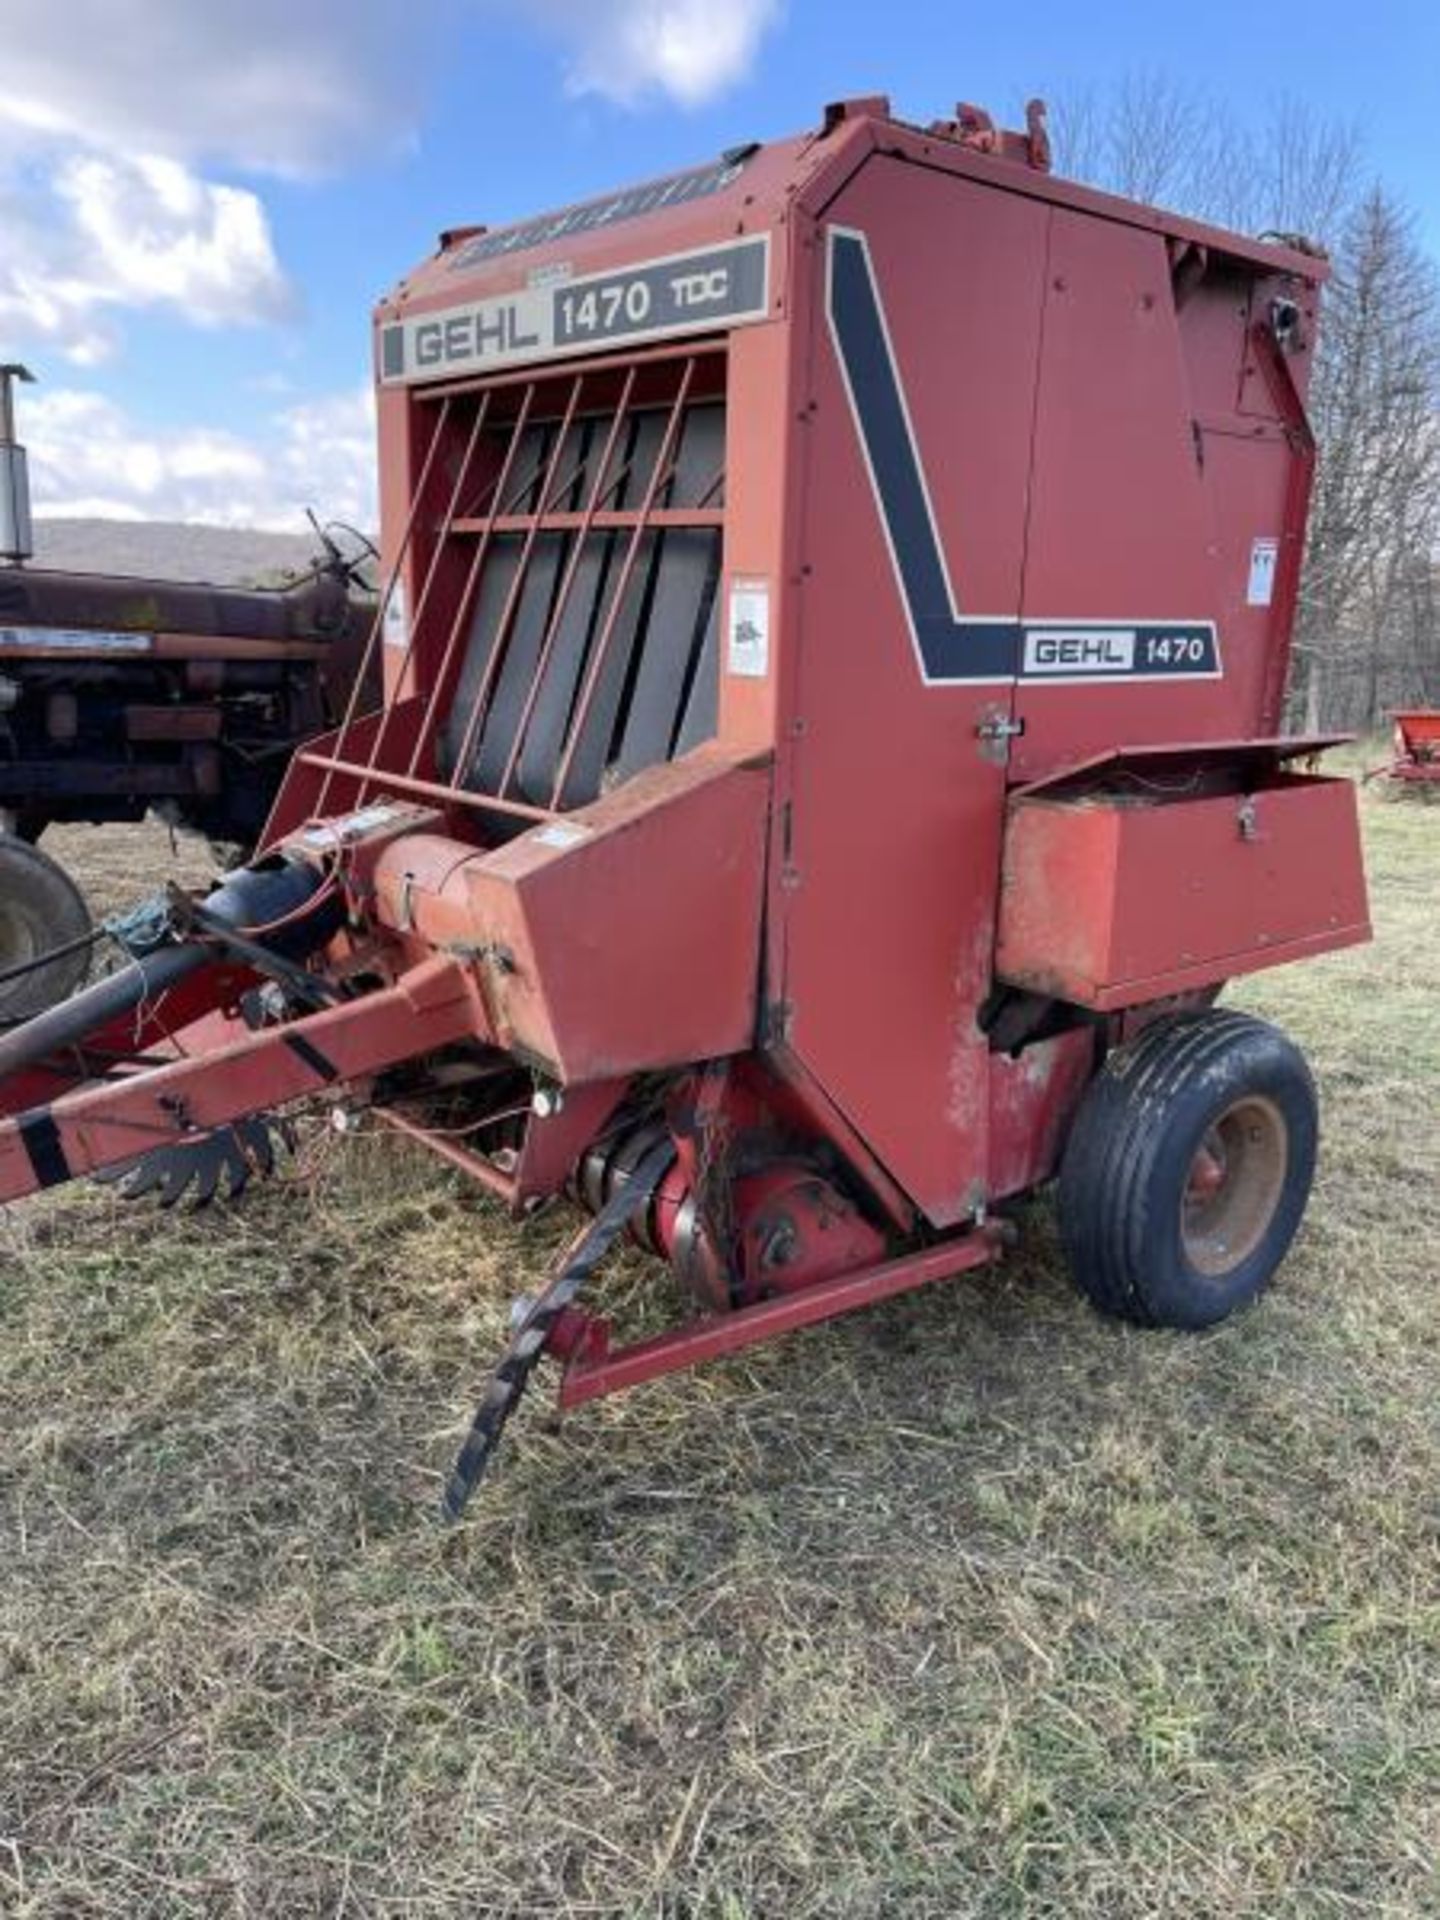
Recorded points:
(199, 205)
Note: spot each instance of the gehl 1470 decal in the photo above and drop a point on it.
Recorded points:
(949, 645)
(653, 299)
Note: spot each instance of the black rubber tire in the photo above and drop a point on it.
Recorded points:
(40, 908)
(1131, 1151)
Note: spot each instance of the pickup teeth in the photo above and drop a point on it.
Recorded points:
(195, 1170)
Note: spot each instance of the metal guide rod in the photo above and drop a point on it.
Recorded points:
(708, 493)
(367, 659)
(562, 596)
(664, 461)
(488, 499)
(615, 520)
(609, 363)
(445, 673)
(417, 612)
(412, 783)
(582, 527)
(517, 586)
(600, 490)
(464, 1159)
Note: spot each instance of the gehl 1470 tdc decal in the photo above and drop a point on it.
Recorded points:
(652, 300)
(949, 645)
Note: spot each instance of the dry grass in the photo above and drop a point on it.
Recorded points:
(969, 1605)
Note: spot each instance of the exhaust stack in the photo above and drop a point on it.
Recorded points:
(17, 540)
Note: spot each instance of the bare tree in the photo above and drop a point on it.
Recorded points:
(1157, 136)
(1147, 140)
(1155, 139)
(1367, 630)
(1301, 174)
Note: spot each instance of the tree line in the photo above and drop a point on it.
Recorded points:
(1368, 632)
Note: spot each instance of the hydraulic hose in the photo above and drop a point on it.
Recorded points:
(250, 897)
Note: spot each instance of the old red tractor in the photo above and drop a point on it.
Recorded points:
(119, 695)
(835, 634)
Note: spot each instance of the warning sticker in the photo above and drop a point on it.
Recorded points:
(396, 625)
(562, 834)
(1263, 556)
(748, 650)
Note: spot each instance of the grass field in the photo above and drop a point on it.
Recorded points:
(972, 1604)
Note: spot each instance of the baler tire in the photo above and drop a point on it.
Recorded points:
(1186, 1097)
(41, 908)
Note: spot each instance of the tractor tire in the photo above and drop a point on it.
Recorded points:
(1187, 1169)
(41, 908)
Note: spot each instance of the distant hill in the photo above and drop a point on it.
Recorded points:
(169, 550)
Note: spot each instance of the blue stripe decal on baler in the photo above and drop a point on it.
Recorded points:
(952, 647)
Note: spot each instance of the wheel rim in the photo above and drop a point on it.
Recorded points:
(1234, 1185)
(17, 937)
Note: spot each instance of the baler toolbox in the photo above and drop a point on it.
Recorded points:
(1148, 876)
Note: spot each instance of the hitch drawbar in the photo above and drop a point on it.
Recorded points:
(102, 1126)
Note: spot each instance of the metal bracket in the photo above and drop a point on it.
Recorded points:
(995, 732)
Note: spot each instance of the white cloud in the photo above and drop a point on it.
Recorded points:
(690, 50)
(89, 456)
(155, 233)
(283, 86)
(109, 114)
(326, 455)
(101, 234)
(303, 86)
(113, 117)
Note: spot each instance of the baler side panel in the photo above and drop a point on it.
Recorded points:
(887, 897)
(1033, 1097)
(1248, 474)
(1165, 468)
(1119, 526)
(762, 503)
(629, 944)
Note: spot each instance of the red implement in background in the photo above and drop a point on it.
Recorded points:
(1415, 756)
(836, 623)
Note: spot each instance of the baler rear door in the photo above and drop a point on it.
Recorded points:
(1166, 504)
